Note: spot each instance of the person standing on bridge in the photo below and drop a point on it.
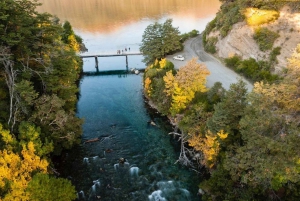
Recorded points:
(125, 49)
(129, 49)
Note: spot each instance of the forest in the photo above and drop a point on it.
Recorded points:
(38, 95)
(245, 145)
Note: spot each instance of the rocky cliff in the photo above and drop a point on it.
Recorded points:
(239, 40)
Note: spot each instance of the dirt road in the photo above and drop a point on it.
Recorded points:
(218, 72)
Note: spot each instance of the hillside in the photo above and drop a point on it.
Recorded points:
(249, 143)
(240, 41)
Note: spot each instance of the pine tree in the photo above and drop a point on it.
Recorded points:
(158, 40)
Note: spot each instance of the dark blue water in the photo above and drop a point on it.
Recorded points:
(115, 111)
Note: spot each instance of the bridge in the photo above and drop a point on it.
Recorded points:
(103, 54)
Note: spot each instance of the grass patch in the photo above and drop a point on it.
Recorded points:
(255, 16)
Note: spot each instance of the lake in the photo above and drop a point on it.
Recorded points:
(133, 160)
(110, 25)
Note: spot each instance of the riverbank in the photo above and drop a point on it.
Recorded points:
(218, 71)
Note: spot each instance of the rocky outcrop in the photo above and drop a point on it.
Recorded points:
(240, 40)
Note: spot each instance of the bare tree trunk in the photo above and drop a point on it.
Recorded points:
(183, 158)
(10, 77)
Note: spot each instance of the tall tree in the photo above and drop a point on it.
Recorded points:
(18, 162)
(159, 40)
(229, 111)
(182, 88)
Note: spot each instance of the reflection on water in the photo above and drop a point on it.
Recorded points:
(109, 15)
(133, 160)
(110, 25)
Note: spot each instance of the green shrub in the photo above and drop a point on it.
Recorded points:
(184, 37)
(188, 35)
(252, 69)
(151, 73)
(162, 102)
(210, 45)
(249, 68)
(274, 53)
(233, 62)
(211, 25)
(264, 65)
(265, 38)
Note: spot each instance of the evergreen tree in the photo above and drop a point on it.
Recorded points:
(159, 40)
(45, 187)
(229, 111)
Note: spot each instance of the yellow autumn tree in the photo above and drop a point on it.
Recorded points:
(209, 146)
(169, 83)
(189, 80)
(163, 63)
(16, 168)
(180, 99)
(73, 43)
(147, 86)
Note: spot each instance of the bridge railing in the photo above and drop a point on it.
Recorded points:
(99, 54)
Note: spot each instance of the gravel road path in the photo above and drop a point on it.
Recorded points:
(218, 72)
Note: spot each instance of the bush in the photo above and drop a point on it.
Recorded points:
(188, 35)
(210, 45)
(184, 37)
(233, 62)
(265, 38)
(252, 69)
(158, 96)
(249, 68)
(273, 55)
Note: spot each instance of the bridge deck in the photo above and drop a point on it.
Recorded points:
(87, 55)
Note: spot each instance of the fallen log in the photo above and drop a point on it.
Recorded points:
(91, 140)
(101, 139)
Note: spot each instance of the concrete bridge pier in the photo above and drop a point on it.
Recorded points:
(126, 61)
(96, 64)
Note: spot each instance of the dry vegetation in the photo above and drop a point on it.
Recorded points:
(255, 16)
